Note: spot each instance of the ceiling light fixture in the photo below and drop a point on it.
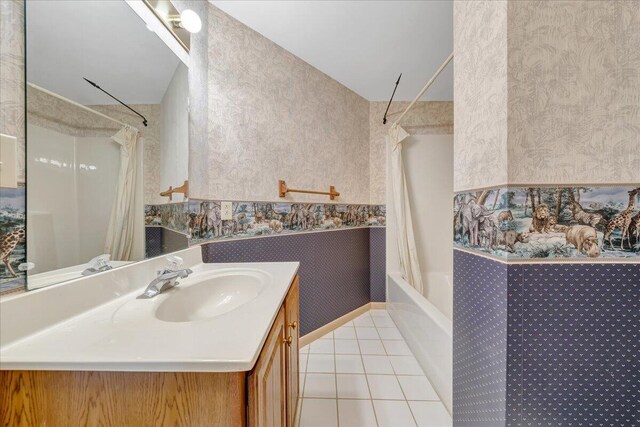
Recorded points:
(190, 21)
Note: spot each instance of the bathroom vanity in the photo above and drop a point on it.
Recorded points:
(219, 349)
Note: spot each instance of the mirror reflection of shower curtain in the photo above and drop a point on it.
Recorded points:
(409, 265)
(124, 224)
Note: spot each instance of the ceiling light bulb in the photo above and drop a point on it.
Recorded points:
(190, 21)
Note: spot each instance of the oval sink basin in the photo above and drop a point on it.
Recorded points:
(210, 297)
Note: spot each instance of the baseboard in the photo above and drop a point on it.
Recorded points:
(324, 330)
(378, 305)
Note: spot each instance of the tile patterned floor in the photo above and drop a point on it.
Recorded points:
(363, 374)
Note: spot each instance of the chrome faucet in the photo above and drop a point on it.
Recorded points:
(98, 264)
(167, 278)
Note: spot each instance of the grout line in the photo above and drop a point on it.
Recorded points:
(358, 398)
(335, 377)
(366, 378)
(406, 401)
(304, 382)
(415, 420)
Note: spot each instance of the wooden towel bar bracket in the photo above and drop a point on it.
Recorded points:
(184, 189)
(283, 190)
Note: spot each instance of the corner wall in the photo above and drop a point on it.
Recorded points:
(480, 94)
(428, 161)
(272, 116)
(13, 200)
(334, 269)
(571, 87)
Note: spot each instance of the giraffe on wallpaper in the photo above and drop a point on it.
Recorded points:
(634, 227)
(622, 221)
(8, 243)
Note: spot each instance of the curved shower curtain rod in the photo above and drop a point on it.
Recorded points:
(424, 89)
(144, 119)
(77, 104)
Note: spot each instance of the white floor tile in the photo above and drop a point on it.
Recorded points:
(377, 365)
(345, 333)
(364, 320)
(347, 347)
(405, 365)
(356, 413)
(417, 388)
(320, 385)
(376, 312)
(397, 348)
(322, 346)
(319, 413)
(372, 347)
(383, 322)
(392, 413)
(384, 387)
(365, 333)
(352, 386)
(349, 364)
(430, 414)
(375, 399)
(321, 363)
(389, 334)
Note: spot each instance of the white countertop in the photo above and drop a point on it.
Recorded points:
(123, 334)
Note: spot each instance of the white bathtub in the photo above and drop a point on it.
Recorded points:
(427, 331)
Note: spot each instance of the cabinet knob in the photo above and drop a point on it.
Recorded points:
(294, 324)
(288, 340)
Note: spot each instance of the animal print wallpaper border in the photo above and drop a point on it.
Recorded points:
(586, 223)
(12, 239)
(201, 220)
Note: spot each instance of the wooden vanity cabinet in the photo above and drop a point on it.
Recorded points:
(272, 385)
(292, 319)
(264, 397)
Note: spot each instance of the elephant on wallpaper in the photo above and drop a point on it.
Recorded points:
(488, 230)
(471, 215)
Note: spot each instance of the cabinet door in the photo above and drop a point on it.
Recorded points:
(267, 382)
(292, 317)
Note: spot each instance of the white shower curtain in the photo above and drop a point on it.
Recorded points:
(409, 265)
(123, 225)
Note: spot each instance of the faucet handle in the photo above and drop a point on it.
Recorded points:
(101, 261)
(174, 263)
(26, 266)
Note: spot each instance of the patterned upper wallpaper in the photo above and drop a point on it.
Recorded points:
(272, 116)
(546, 92)
(574, 91)
(480, 87)
(550, 222)
(202, 220)
(12, 75)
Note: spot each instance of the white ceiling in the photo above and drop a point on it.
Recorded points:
(364, 45)
(102, 40)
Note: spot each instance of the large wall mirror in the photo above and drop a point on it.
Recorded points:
(107, 132)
